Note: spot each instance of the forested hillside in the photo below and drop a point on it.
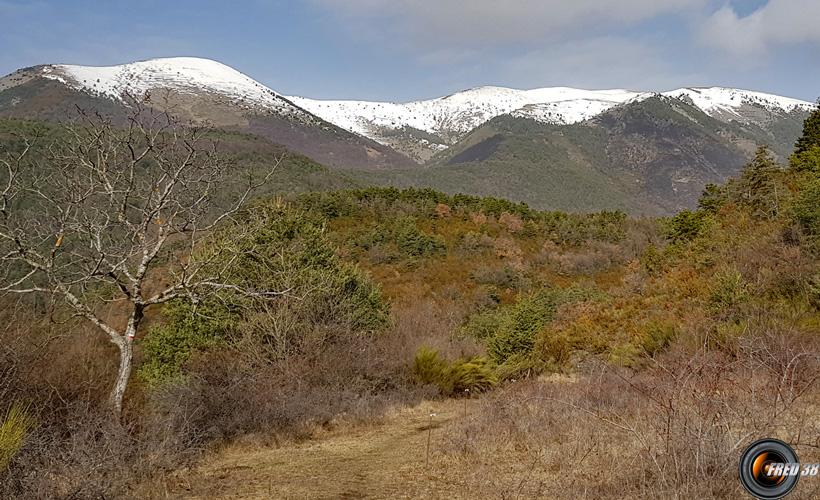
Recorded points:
(580, 339)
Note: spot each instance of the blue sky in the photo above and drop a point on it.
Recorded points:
(413, 49)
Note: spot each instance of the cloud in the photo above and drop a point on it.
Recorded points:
(477, 23)
(778, 22)
(595, 63)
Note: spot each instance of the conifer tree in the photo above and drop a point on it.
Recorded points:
(811, 132)
(806, 156)
(759, 184)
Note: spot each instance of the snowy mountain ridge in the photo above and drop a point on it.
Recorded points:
(418, 129)
(184, 75)
(455, 115)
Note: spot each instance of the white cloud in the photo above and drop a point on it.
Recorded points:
(778, 22)
(476, 23)
(596, 63)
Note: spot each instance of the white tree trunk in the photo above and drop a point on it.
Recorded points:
(126, 355)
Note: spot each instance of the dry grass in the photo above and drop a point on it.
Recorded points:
(673, 430)
(13, 430)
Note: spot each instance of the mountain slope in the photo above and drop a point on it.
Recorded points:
(199, 90)
(423, 128)
(650, 156)
(558, 148)
(249, 155)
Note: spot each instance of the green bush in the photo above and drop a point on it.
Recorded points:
(806, 161)
(415, 242)
(429, 367)
(686, 226)
(519, 326)
(280, 249)
(402, 232)
(510, 331)
(473, 374)
(712, 198)
(728, 290)
(806, 210)
(188, 330)
(657, 337)
(652, 260)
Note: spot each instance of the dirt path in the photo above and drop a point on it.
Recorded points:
(380, 461)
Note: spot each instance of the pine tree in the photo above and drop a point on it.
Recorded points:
(712, 198)
(806, 156)
(811, 132)
(757, 187)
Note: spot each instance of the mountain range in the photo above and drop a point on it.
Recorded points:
(561, 148)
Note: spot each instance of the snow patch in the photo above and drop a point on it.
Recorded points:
(185, 75)
(715, 101)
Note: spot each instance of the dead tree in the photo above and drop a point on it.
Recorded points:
(85, 220)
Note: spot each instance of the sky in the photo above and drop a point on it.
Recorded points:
(401, 50)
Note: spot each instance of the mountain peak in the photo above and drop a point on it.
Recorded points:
(723, 100)
(183, 75)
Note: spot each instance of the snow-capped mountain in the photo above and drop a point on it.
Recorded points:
(209, 91)
(195, 89)
(453, 116)
(560, 147)
(182, 75)
(444, 121)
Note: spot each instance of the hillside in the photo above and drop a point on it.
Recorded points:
(652, 156)
(554, 148)
(479, 346)
(250, 155)
(420, 129)
(199, 90)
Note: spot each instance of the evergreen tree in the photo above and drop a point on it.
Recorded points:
(712, 198)
(806, 156)
(758, 186)
(811, 132)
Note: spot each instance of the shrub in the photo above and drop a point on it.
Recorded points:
(13, 430)
(474, 374)
(283, 249)
(476, 242)
(686, 226)
(728, 290)
(429, 367)
(657, 337)
(414, 242)
(168, 347)
(806, 210)
(806, 161)
(510, 331)
(813, 291)
(652, 260)
(712, 199)
(504, 277)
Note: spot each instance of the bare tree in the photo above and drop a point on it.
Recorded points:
(87, 218)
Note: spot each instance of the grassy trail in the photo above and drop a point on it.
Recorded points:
(386, 460)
